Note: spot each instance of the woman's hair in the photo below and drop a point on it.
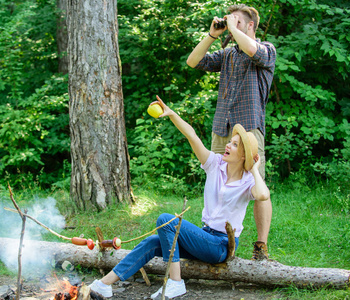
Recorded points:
(241, 145)
(250, 145)
(250, 13)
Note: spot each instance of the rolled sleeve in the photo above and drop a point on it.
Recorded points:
(211, 162)
(265, 56)
(211, 62)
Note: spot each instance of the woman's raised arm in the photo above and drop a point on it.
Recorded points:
(187, 130)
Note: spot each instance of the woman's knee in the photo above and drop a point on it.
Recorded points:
(163, 218)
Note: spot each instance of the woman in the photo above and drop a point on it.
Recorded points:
(232, 181)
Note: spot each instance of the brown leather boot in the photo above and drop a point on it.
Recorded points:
(260, 251)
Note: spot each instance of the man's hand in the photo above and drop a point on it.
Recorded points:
(232, 22)
(243, 33)
(216, 32)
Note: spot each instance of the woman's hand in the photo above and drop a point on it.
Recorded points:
(257, 163)
(166, 109)
(187, 130)
(260, 191)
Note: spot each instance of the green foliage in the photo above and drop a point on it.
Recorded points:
(306, 105)
(5, 271)
(34, 124)
(27, 48)
(35, 131)
(155, 39)
(306, 117)
(307, 126)
(305, 217)
(161, 150)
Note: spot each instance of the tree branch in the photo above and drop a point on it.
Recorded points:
(173, 248)
(268, 22)
(18, 292)
(39, 223)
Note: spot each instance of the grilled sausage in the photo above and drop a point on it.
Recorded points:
(79, 241)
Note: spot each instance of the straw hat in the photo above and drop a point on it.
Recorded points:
(250, 145)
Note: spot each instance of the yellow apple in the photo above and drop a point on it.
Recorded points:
(155, 110)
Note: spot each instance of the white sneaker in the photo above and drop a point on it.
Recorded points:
(173, 289)
(101, 288)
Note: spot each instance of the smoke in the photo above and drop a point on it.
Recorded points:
(46, 212)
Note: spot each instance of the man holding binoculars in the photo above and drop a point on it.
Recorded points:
(246, 73)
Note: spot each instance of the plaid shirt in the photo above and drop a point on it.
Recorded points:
(244, 86)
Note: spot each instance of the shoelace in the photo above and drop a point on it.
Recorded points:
(257, 250)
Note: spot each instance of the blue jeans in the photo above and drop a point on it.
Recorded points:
(193, 242)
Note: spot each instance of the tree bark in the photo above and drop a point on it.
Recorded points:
(268, 273)
(100, 162)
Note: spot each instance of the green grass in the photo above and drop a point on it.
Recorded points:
(310, 226)
(130, 222)
(5, 271)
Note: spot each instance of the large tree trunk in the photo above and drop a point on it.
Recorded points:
(100, 162)
(269, 273)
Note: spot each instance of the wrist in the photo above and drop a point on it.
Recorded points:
(171, 113)
(213, 37)
(254, 171)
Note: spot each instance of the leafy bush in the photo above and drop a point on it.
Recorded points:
(161, 151)
(155, 39)
(27, 48)
(35, 133)
(304, 119)
(306, 113)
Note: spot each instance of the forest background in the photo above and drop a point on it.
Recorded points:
(307, 118)
(307, 128)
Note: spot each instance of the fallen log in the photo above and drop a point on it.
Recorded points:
(268, 273)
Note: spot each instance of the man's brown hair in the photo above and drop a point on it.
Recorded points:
(250, 13)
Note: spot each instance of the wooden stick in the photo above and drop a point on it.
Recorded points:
(18, 292)
(173, 249)
(41, 224)
(155, 229)
(145, 277)
(99, 234)
(231, 241)
(100, 239)
(123, 242)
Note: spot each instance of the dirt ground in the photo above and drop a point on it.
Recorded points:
(136, 288)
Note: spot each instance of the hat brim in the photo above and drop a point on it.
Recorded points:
(248, 151)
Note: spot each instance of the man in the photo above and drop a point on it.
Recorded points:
(245, 80)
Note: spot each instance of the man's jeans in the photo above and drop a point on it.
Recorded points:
(193, 242)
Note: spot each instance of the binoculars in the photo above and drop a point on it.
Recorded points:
(220, 24)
